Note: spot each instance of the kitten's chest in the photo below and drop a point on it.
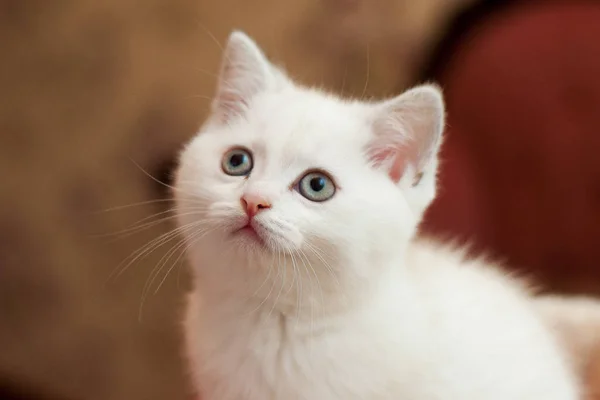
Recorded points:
(272, 360)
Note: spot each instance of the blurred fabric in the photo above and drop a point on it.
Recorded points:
(97, 98)
(521, 174)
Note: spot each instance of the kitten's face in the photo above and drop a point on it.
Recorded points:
(286, 176)
(305, 161)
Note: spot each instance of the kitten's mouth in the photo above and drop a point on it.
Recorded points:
(248, 231)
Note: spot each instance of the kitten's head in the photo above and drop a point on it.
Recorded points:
(288, 181)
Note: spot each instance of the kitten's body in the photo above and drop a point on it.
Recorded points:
(302, 297)
(436, 332)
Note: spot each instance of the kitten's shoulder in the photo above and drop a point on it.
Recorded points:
(432, 258)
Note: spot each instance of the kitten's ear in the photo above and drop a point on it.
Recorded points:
(245, 72)
(407, 134)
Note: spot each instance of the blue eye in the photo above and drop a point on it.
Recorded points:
(237, 162)
(316, 186)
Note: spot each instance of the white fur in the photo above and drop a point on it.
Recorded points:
(576, 323)
(342, 302)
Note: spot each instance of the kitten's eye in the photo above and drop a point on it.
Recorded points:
(237, 162)
(316, 186)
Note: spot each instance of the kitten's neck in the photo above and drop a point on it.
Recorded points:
(243, 290)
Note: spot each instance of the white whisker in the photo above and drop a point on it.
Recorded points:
(147, 249)
(317, 252)
(191, 241)
(139, 225)
(138, 204)
(160, 266)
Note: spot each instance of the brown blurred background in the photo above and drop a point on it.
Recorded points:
(96, 96)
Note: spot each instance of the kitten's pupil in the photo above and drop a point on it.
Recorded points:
(237, 159)
(317, 183)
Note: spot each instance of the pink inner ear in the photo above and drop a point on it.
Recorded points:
(392, 159)
(397, 168)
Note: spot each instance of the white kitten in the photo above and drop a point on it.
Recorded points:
(299, 210)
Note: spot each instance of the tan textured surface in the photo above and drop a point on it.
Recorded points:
(593, 377)
(89, 85)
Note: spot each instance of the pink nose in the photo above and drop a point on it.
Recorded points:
(253, 204)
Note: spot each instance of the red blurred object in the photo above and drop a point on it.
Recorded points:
(521, 162)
